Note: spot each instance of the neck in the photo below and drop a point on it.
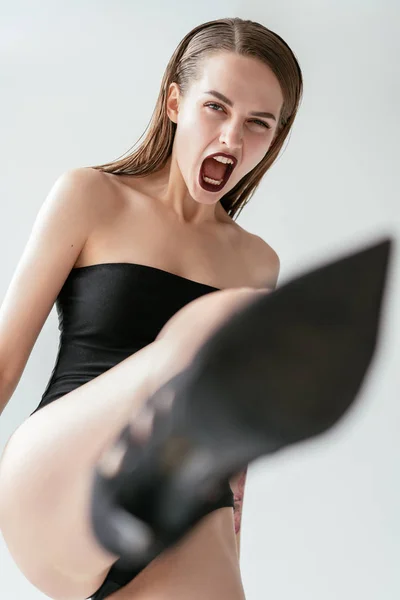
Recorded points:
(170, 188)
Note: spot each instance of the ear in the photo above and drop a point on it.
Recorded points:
(172, 104)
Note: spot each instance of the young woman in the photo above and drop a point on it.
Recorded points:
(159, 293)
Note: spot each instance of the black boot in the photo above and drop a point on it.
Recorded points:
(284, 368)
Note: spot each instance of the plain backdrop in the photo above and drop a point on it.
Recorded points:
(78, 83)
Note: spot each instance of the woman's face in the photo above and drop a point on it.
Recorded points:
(216, 116)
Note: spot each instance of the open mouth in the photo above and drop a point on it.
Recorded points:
(212, 184)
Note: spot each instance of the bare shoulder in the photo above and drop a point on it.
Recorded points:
(74, 192)
(83, 182)
(84, 176)
(90, 195)
(87, 176)
(265, 262)
(94, 186)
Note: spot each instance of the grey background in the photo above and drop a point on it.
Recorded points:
(78, 82)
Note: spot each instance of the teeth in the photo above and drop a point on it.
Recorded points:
(223, 159)
(213, 181)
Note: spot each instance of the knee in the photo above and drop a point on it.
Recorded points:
(236, 299)
(203, 314)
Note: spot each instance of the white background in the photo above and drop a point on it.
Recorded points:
(78, 82)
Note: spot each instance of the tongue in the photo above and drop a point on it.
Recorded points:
(214, 169)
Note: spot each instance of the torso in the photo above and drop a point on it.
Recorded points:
(132, 226)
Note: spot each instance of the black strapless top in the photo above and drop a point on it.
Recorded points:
(109, 311)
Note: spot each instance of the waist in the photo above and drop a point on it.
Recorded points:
(80, 362)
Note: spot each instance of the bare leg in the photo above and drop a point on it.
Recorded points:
(46, 468)
(322, 331)
(284, 369)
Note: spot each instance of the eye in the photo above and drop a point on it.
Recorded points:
(262, 123)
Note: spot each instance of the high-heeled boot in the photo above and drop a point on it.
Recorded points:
(285, 368)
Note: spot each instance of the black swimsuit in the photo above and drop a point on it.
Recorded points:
(106, 313)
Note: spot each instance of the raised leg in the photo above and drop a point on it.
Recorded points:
(283, 369)
(46, 467)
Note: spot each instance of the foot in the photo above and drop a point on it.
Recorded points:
(283, 369)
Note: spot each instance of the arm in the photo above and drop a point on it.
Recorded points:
(7, 389)
(57, 237)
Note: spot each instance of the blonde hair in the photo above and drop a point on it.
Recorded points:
(244, 38)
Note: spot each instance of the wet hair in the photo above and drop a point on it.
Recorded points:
(244, 38)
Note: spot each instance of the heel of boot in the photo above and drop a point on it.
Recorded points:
(285, 368)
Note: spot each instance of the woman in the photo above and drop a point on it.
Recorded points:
(154, 279)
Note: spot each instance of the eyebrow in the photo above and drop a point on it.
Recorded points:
(268, 115)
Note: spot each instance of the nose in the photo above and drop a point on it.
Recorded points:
(232, 135)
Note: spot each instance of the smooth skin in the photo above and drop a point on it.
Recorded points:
(164, 220)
